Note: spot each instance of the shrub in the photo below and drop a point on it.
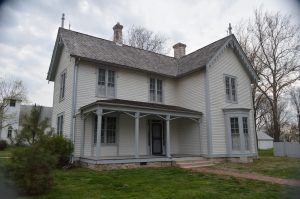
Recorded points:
(3, 145)
(61, 147)
(31, 169)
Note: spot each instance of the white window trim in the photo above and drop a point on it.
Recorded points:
(155, 93)
(63, 123)
(60, 85)
(230, 89)
(105, 131)
(106, 82)
(10, 128)
(239, 114)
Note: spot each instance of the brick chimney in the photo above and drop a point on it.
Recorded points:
(118, 33)
(179, 50)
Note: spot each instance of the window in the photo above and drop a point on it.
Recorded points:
(245, 131)
(60, 124)
(106, 83)
(62, 86)
(12, 103)
(9, 132)
(108, 130)
(230, 88)
(156, 90)
(235, 135)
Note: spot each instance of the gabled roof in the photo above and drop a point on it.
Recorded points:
(103, 51)
(263, 136)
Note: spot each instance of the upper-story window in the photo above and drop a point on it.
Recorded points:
(62, 85)
(106, 83)
(12, 103)
(156, 90)
(230, 86)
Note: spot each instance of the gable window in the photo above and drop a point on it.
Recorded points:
(9, 132)
(62, 86)
(230, 88)
(60, 124)
(106, 83)
(108, 130)
(156, 90)
(12, 103)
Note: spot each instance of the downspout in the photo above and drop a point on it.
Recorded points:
(74, 103)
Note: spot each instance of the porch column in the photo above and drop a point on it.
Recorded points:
(99, 113)
(82, 137)
(136, 133)
(168, 148)
(199, 126)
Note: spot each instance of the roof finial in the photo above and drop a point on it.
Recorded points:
(69, 25)
(62, 20)
(230, 29)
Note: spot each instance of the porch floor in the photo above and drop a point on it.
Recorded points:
(141, 158)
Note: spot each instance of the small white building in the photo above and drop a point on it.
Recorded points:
(16, 111)
(264, 140)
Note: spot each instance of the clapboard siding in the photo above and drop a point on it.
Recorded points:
(188, 134)
(130, 85)
(66, 63)
(226, 64)
(191, 95)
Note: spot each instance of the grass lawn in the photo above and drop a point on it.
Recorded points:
(158, 183)
(267, 164)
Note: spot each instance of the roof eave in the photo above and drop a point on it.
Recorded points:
(55, 58)
(119, 65)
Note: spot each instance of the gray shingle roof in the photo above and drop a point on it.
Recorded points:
(105, 51)
(98, 49)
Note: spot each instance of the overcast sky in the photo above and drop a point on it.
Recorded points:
(28, 28)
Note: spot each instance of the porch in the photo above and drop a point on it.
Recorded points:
(121, 131)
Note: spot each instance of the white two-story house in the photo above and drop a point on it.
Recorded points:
(121, 104)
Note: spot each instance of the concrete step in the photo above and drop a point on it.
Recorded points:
(193, 164)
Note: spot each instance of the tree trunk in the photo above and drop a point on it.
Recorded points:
(276, 125)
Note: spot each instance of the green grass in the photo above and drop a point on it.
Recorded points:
(265, 152)
(158, 183)
(267, 164)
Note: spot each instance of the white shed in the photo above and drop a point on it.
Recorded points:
(264, 140)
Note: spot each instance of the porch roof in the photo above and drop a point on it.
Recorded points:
(146, 107)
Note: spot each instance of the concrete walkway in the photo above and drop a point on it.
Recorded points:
(247, 175)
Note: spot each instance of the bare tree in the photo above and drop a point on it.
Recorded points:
(270, 41)
(295, 99)
(9, 89)
(143, 38)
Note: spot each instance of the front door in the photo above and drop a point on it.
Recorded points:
(157, 137)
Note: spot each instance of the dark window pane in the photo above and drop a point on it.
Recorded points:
(101, 77)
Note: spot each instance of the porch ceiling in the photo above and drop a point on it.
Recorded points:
(143, 107)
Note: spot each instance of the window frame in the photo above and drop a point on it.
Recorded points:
(107, 84)
(60, 124)
(156, 91)
(9, 132)
(230, 78)
(62, 85)
(240, 114)
(12, 103)
(104, 130)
